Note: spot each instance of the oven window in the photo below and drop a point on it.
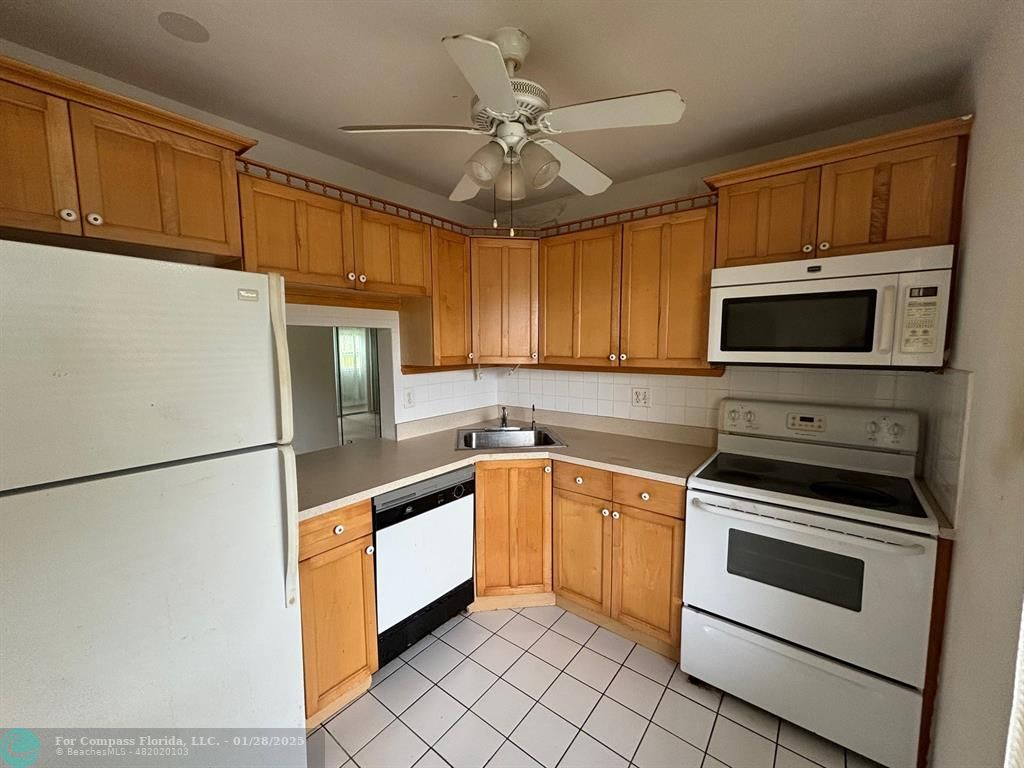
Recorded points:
(842, 321)
(814, 573)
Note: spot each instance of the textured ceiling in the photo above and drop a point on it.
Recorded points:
(752, 71)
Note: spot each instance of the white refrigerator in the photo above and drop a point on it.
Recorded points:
(148, 531)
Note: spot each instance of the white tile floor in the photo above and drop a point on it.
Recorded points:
(542, 687)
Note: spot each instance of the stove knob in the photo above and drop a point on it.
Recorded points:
(895, 430)
(734, 415)
(872, 428)
(748, 416)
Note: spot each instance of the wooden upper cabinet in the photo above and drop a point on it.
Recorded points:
(666, 283)
(37, 168)
(582, 549)
(902, 198)
(772, 219)
(144, 184)
(513, 527)
(452, 325)
(647, 572)
(392, 255)
(504, 275)
(339, 622)
(579, 298)
(305, 237)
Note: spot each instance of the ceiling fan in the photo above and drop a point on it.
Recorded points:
(517, 116)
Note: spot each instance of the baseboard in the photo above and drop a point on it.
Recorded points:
(640, 638)
(497, 602)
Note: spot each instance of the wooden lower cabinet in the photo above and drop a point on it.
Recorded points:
(513, 527)
(583, 548)
(339, 624)
(647, 572)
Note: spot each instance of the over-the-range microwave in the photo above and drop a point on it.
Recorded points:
(885, 309)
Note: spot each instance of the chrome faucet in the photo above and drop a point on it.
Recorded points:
(504, 417)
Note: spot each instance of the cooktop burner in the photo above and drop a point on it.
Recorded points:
(894, 495)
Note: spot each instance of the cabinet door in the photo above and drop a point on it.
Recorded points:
(339, 621)
(772, 219)
(902, 198)
(666, 284)
(505, 276)
(37, 168)
(583, 549)
(647, 572)
(146, 185)
(513, 527)
(579, 297)
(305, 237)
(392, 255)
(452, 320)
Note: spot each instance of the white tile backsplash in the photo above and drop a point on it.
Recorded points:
(436, 394)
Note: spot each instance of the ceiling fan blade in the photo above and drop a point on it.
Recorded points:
(654, 108)
(466, 189)
(577, 171)
(483, 67)
(411, 129)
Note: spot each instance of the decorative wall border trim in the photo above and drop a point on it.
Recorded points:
(325, 188)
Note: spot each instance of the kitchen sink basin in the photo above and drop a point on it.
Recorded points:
(506, 437)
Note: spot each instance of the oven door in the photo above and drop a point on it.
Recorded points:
(855, 592)
(836, 321)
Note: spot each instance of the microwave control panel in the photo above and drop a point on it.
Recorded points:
(921, 315)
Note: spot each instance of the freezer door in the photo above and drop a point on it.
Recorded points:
(111, 362)
(152, 599)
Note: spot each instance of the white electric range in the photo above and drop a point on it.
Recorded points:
(808, 571)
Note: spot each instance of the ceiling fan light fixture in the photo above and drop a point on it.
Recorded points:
(486, 164)
(540, 166)
(511, 184)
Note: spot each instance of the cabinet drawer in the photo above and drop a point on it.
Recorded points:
(663, 498)
(335, 528)
(587, 480)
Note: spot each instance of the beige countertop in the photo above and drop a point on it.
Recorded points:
(335, 477)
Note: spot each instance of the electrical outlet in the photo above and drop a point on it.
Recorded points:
(641, 397)
(408, 398)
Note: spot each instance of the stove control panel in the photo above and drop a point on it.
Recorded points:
(884, 428)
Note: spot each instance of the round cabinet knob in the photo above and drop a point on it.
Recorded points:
(470, 355)
(871, 427)
(622, 356)
(547, 470)
(616, 515)
(339, 529)
(807, 248)
(605, 513)
(370, 550)
(534, 355)
(823, 246)
(351, 275)
(611, 357)
(68, 215)
(95, 219)
(579, 481)
(645, 496)
(362, 278)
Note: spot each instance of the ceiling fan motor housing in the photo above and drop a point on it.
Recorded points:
(531, 99)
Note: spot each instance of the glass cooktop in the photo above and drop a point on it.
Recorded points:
(894, 495)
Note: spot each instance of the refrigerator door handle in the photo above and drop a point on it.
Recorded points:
(291, 522)
(284, 372)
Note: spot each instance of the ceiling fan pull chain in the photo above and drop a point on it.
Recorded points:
(511, 209)
(494, 205)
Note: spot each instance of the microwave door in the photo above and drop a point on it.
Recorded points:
(839, 321)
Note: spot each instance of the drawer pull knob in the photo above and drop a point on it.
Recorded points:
(351, 275)
(370, 550)
(362, 278)
(605, 513)
(612, 357)
(547, 470)
(579, 480)
(95, 219)
(622, 356)
(616, 515)
(807, 248)
(339, 529)
(68, 215)
(645, 496)
(823, 246)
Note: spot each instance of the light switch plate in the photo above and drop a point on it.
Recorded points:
(641, 397)
(408, 398)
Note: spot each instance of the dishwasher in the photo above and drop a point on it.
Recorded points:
(423, 538)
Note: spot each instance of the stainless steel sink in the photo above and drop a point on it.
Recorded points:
(506, 437)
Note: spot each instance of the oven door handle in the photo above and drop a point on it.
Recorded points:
(851, 539)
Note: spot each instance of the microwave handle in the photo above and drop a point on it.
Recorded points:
(850, 539)
(888, 322)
